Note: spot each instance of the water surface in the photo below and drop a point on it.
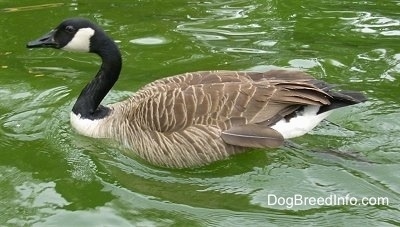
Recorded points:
(51, 176)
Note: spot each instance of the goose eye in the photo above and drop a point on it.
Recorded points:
(70, 29)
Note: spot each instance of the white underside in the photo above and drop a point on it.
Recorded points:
(304, 122)
(87, 127)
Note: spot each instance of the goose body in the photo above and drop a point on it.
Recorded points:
(193, 119)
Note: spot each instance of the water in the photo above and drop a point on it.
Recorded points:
(50, 176)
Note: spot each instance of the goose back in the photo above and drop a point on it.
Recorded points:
(180, 121)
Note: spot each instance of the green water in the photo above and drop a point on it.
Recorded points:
(51, 176)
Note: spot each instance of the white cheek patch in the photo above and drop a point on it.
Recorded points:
(81, 40)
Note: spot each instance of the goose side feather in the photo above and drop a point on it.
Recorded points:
(184, 120)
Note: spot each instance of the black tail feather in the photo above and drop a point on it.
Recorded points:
(342, 99)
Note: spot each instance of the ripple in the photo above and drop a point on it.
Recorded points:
(231, 10)
(27, 125)
(303, 63)
(266, 43)
(248, 50)
(367, 23)
(33, 7)
(209, 37)
(149, 41)
(225, 32)
(39, 195)
(374, 55)
(28, 120)
(380, 64)
(35, 199)
(391, 33)
(63, 139)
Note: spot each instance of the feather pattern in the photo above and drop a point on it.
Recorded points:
(196, 118)
(252, 135)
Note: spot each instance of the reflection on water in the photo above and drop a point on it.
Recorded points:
(366, 22)
(149, 41)
(29, 119)
(33, 7)
(50, 175)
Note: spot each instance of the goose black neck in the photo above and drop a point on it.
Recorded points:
(88, 103)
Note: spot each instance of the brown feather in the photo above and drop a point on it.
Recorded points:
(196, 118)
(252, 135)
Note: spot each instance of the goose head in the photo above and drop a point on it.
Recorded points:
(75, 34)
(78, 34)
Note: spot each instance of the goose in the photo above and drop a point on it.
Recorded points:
(196, 118)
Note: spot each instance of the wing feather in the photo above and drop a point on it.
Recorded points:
(252, 135)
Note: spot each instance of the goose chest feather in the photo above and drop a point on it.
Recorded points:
(196, 118)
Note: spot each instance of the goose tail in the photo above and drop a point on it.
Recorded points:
(342, 99)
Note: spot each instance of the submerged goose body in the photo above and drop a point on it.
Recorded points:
(196, 118)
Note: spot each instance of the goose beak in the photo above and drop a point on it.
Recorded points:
(44, 41)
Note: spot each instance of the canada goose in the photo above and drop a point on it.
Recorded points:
(193, 119)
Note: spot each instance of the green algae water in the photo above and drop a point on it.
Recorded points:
(346, 172)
